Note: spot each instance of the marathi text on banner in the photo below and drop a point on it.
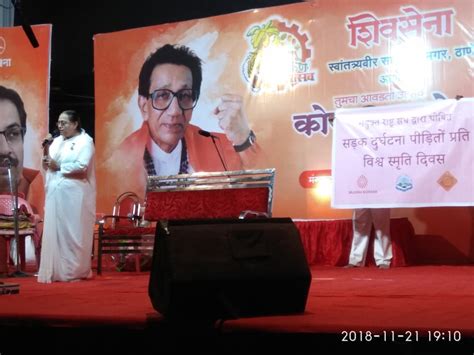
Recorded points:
(411, 155)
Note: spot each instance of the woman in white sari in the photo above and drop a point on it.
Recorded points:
(69, 217)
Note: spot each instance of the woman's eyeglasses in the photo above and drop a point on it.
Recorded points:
(62, 123)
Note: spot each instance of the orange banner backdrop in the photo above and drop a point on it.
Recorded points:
(294, 66)
(27, 71)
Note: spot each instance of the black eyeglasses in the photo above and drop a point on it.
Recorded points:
(161, 99)
(13, 134)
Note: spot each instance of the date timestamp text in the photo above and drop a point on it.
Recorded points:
(406, 336)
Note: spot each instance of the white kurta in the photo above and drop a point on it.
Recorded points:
(69, 211)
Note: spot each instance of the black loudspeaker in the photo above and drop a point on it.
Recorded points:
(228, 268)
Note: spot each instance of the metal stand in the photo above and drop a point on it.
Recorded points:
(14, 194)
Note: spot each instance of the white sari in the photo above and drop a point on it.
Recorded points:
(69, 211)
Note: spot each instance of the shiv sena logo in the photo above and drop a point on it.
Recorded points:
(3, 45)
(279, 57)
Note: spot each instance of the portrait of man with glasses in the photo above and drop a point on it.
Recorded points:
(167, 143)
(12, 131)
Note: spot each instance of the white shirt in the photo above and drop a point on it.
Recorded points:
(166, 163)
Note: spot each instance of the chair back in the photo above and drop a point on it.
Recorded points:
(209, 195)
(26, 216)
(127, 204)
(7, 203)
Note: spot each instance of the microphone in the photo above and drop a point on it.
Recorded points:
(7, 162)
(213, 137)
(49, 138)
(206, 134)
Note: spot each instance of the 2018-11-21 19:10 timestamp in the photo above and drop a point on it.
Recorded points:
(406, 336)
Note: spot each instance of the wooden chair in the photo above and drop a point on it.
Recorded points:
(28, 223)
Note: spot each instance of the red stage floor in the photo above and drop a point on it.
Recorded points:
(405, 305)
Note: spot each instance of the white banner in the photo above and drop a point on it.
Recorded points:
(408, 155)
